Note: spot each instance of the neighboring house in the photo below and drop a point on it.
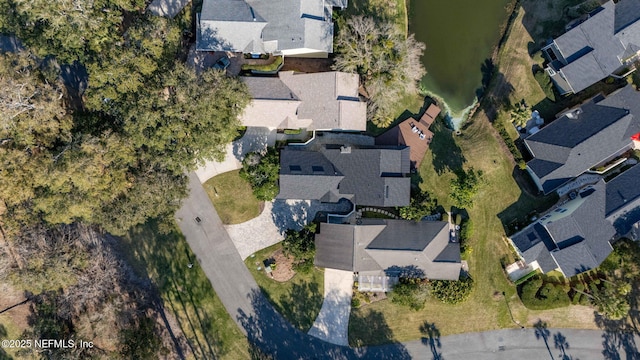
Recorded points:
(576, 236)
(606, 42)
(373, 176)
(413, 133)
(380, 251)
(318, 101)
(584, 138)
(285, 27)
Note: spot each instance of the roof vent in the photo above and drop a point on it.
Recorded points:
(345, 149)
(574, 114)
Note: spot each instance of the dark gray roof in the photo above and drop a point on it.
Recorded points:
(575, 238)
(334, 247)
(584, 137)
(623, 190)
(390, 246)
(368, 176)
(594, 49)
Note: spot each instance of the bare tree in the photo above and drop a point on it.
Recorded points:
(389, 64)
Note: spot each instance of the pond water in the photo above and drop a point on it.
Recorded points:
(460, 35)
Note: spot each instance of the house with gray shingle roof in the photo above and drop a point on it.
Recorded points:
(584, 138)
(606, 42)
(318, 101)
(387, 249)
(373, 176)
(285, 27)
(576, 236)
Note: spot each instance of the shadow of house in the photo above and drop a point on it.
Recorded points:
(447, 155)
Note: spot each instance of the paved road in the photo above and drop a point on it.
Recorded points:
(266, 328)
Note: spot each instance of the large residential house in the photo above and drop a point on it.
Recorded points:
(373, 176)
(380, 251)
(576, 236)
(605, 43)
(413, 133)
(284, 27)
(318, 101)
(584, 139)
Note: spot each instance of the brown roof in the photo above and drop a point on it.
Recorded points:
(412, 133)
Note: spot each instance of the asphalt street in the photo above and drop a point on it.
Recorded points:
(268, 331)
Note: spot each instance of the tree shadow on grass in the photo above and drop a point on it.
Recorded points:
(447, 155)
(273, 336)
(300, 305)
(431, 339)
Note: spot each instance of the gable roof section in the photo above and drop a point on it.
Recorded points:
(584, 137)
(390, 246)
(623, 191)
(326, 101)
(367, 176)
(244, 25)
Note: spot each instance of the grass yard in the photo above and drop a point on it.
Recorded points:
(299, 300)
(394, 11)
(233, 198)
(187, 293)
(500, 198)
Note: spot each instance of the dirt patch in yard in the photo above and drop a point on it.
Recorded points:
(307, 65)
(284, 267)
(16, 316)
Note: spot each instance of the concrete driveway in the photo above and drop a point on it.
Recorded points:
(254, 139)
(332, 323)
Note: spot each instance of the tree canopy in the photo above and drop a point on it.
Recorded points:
(422, 204)
(388, 62)
(465, 186)
(262, 172)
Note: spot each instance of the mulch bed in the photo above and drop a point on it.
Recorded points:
(283, 271)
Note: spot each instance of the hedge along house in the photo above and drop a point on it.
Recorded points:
(381, 251)
(319, 101)
(584, 139)
(302, 28)
(606, 43)
(576, 236)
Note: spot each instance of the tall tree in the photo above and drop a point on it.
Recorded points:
(388, 62)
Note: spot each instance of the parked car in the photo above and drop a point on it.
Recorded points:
(222, 63)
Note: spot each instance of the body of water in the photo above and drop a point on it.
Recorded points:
(460, 35)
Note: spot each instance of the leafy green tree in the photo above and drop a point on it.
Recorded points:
(452, 292)
(301, 245)
(611, 299)
(465, 186)
(262, 172)
(409, 292)
(421, 205)
(538, 295)
(388, 62)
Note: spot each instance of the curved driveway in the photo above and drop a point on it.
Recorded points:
(267, 330)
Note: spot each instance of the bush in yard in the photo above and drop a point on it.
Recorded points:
(411, 293)
(421, 205)
(465, 187)
(545, 83)
(538, 295)
(262, 171)
(452, 292)
(301, 245)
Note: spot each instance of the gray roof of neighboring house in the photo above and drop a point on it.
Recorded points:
(367, 176)
(575, 242)
(594, 49)
(623, 191)
(584, 137)
(327, 101)
(392, 246)
(293, 24)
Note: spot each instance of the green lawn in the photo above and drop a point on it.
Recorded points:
(394, 11)
(186, 293)
(299, 300)
(232, 197)
(499, 198)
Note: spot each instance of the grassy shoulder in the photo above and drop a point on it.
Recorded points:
(186, 292)
(233, 198)
(299, 299)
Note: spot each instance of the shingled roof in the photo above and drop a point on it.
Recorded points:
(389, 246)
(596, 48)
(366, 176)
(260, 26)
(319, 101)
(584, 137)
